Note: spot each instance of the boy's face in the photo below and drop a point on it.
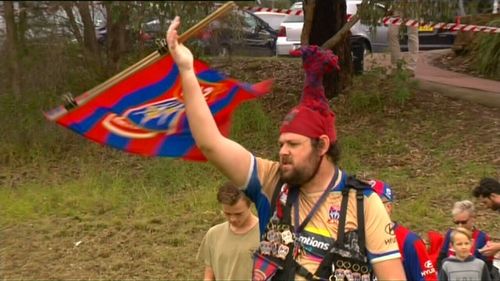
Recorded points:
(237, 214)
(462, 245)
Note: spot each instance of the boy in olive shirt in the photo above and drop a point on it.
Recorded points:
(227, 248)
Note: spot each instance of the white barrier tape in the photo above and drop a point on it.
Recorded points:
(442, 25)
(396, 21)
(280, 11)
(274, 10)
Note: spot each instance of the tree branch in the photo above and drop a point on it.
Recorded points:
(365, 4)
(332, 42)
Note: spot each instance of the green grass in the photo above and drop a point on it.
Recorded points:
(66, 188)
(51, 171)
(106, 195)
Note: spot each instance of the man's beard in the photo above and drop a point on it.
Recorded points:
(303, 173)
(495, 206)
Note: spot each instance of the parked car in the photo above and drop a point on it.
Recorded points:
(364, 36)
(243, 34)
(272, 18)
(150, 31)
(430, 38)
(296, 6)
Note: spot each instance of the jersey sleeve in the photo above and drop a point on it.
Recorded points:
(382, 244)
(481, 241)
(417, 264)
(261, 182)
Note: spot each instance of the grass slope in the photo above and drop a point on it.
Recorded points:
(72, 209)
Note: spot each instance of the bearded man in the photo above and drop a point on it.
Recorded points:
(307, 167)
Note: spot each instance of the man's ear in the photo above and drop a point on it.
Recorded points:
(324, 144)
(389, 208)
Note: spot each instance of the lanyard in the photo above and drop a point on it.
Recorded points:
(299, 228)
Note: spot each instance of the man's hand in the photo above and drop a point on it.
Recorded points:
(181, 55)
(490, 249)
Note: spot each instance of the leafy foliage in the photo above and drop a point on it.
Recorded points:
(486, 52)
(371, 11)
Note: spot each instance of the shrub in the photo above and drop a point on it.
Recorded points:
(486, 52)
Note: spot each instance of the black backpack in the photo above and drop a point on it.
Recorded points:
(348, 254)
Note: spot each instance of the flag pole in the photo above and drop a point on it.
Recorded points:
(58, 112)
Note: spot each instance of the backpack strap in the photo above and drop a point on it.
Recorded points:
(361, 221)
(360, 187)
(274, 200)
(343, 216)
(293, 194)
(324, 269)
(289, 264)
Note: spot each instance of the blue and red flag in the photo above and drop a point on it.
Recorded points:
(144, 113)
(264, 267)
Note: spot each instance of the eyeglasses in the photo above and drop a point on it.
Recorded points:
(461, 222)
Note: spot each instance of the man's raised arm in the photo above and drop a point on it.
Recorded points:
(232, 159)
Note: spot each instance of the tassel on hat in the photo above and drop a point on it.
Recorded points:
(313, 116)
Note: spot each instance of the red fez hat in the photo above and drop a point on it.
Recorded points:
(313, 116)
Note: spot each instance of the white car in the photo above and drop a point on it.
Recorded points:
(273, 19)
(296, 6)
(291, 29)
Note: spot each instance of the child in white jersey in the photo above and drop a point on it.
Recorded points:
(463, 266)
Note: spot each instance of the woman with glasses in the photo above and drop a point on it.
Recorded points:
(463, 214)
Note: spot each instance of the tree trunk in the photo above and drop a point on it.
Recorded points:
(68, 8)
(308, 22)
(13, 61)
(22, 27)
(89, 36)
(324, 26)
(117, 20)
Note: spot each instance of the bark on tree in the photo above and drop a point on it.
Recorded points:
(22, 27)
(308, 22)
(117, 21)
(328, 17)
(11, 43)
(68, 8)
(89, 36)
